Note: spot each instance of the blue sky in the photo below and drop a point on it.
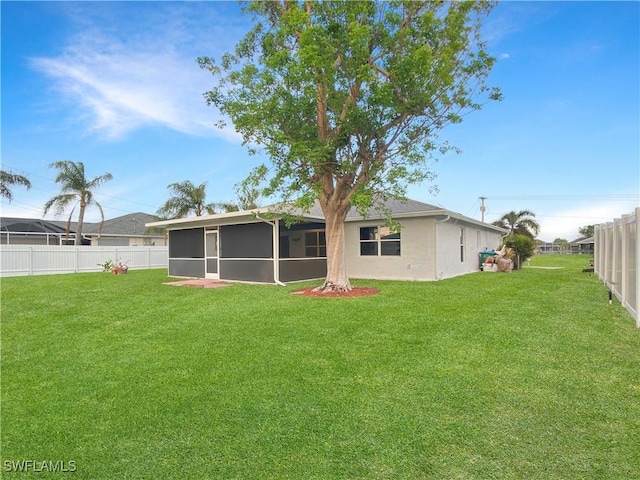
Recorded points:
(116, 86)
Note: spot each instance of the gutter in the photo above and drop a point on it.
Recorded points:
(438, 276)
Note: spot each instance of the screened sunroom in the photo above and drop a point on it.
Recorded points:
(246, 247)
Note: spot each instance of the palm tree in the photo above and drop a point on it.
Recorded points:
(249, 191)
(521, 222)
(186, 198)
(76, 189)
(8, 178)
(228, 207)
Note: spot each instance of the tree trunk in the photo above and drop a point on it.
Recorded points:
(336, 280)
(83, 206)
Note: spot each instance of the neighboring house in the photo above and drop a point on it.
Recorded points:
(256, 246)
(583, 245)
(127, 230)
(550, 247)
(31, 231)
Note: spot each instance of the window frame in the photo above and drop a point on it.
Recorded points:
(320, 244)
(379, 241)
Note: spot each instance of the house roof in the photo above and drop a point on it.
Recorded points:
(398, 209)
(125, 225)
(129, 225)
(30, 225)
(243, 216)
(583, 241)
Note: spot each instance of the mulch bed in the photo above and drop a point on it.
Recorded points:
(355, 292)
(306, 292)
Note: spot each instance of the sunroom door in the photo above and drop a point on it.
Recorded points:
(211, 254)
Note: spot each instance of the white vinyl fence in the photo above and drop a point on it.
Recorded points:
(21, 260)
(617, 259)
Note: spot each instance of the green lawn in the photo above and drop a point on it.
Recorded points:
(527, 375)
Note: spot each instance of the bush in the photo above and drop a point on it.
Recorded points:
(523, 245)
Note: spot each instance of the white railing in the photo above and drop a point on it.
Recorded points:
(617, 259)
(21, 260)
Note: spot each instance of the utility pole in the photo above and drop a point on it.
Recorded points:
(482, 208)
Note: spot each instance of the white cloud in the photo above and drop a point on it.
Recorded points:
(504, 56)
(117, 84)
(508, 18)
(566, 222)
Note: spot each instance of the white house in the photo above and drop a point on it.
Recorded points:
(256, 246)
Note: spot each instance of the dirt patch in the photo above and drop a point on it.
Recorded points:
(355, 292)
(199, 283)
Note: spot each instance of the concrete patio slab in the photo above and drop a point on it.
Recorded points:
(199, 283)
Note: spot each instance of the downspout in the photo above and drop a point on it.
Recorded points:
(276, 250)
(436, 275)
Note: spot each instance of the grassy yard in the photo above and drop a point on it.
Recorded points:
(528, 375)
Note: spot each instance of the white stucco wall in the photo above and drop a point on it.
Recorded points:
(476, 240)
(430, 250)
(417, 252)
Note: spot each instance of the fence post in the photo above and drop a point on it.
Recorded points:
(618, 260)
(625, 257)
(636, 221)
(30, 261)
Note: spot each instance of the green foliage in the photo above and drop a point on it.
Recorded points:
(107, 266)
(186, 198)
(134, 379)
(523, 245)
(7, 179)
(76, 190)
(587, 231)
(249, 191)
(522, 223)
(347, 98)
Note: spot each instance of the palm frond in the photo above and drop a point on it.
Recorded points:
(8, 178)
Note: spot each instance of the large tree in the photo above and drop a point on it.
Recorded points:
(522, 223)
(587, 231)
(76, 190)
(186, 198)
(347, 98)
(7, 179)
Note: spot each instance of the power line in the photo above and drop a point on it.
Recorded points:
(623, 196)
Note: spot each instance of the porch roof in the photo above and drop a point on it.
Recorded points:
(231, 218)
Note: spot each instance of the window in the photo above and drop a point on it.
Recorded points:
(379, 241)
(462, 244)
(315, 244)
